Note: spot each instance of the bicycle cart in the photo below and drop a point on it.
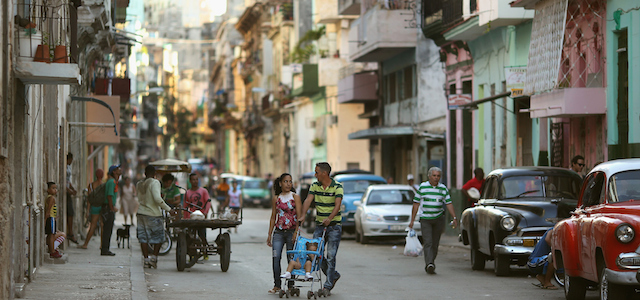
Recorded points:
(189, 247)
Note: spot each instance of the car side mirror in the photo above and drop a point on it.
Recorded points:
(357, 203)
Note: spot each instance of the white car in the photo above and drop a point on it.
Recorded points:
(384, 211)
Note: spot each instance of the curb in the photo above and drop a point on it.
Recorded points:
(139, 290)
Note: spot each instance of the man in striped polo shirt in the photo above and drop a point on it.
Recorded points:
(327, 194)
(429, 202)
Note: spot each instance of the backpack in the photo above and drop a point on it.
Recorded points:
(98, 196)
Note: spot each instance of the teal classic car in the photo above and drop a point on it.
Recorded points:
(255, 192)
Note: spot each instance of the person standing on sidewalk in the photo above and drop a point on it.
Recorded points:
(475, 182)
(71, 192)
(286, 206)
(429, 202)
(128, 202)
(150, 228)
(109, 209)
(327, 194)
(94, 211)
(54, 237)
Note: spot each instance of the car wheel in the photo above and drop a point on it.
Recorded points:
(477, 260)
(364, 239)
(358, 236)
(575, 288)
(610, 290)
(502, 265)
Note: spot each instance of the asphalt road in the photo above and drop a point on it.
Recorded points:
(376, 271)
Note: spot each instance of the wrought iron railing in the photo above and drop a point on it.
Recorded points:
(451, 12)
(44, 31)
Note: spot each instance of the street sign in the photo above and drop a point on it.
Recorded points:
(456, 100)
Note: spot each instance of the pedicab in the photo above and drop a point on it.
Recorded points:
(189, 246)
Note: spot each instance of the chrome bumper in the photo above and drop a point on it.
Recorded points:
(623, 277)
(512, 250)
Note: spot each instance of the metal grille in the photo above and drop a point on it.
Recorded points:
(557, 145)
(582, 63)
(397, 218)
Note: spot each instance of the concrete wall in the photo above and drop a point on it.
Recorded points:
(431, 104)
(303, 136)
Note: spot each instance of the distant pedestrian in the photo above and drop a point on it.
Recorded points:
(71, 192)
(577, 164)
(327, 194)
(429, 202)
(128, 202)
(109, 209)
(150, 228)
(390, 180)
(54, 237)
(411, 183)
(221, 193)
(476, 183)
(270, 182)
(234, 198)
(286, 208)
(94, 211)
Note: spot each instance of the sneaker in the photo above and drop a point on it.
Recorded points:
(147, 264)
(55, 254)
(286, 275)
(308, 276)
(335, 280)
(325, 292)
(153, 263)
(431, 268)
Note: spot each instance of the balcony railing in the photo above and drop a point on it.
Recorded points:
(451, 12)
(44, 32)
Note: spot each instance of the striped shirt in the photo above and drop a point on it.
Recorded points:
(326, 199)
(431, 200)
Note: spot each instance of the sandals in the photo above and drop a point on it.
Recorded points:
(274, 290)
(550, 287)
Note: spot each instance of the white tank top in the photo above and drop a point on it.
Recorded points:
(234, 198)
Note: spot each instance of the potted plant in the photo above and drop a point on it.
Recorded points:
(317, 142)
(60, 53)
(43, 51)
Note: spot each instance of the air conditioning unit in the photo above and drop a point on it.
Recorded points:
(333, 119)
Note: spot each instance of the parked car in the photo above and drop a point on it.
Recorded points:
(384, 211)
(517, 206)
(305, 182)
(354, 186)
(255, 191)
(597, 244)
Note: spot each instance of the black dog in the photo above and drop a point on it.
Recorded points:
(122, 235)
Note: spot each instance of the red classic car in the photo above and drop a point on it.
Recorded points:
(596, 246)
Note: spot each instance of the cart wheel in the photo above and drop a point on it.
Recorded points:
(309, 294)
(319, 293)
(281, 293)
(181, 251)
(315, 296)
(166, 246)
(297, 292)
(224, 250)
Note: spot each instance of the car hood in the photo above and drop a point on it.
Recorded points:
(348, 200)
(389, 210)
(538, 212)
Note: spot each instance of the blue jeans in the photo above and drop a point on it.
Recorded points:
(332, 242)
(278, 240)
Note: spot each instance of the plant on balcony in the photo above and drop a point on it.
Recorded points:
(305, 47)
(43, 52)
(60, 52)
(317, 142)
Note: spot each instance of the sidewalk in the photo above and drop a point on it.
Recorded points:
(88, 275)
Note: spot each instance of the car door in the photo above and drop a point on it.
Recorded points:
(484, 213)
(592, 202)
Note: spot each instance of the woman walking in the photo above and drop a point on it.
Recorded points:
(285, 211)
(94, 211)
(128, 202)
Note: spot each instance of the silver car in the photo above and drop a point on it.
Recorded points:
(384, 211)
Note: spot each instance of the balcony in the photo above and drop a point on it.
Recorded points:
(305, 82)
(42, 45)
(358, 83)
(569, 102)
(283, 15)
(500, 13)
(326, 11)
(349, 7)
(380, 34)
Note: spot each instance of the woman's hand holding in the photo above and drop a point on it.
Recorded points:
(269, 240)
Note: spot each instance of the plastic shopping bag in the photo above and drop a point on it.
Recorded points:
(412, 246)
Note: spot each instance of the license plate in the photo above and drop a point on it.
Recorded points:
(396, 227)
(256, 201)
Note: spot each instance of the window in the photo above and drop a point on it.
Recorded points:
(452, 89)
(408, 82)
(392, 87)
(593, 191)
(386, 197)
(624, 186)
(489, 188)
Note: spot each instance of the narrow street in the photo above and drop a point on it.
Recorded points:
(376, 271)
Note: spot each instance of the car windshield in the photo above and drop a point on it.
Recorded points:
(357, 186)
(385, 197)
(625, 186)
(539, 186)
(255, 184)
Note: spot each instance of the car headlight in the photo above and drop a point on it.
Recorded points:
(343, 208)
(373, 218)
(625, 233)
(508, 223)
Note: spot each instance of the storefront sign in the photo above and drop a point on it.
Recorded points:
(515, 77)
(458, 99)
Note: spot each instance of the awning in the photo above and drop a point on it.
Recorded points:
(474, 104)
(382, 132)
